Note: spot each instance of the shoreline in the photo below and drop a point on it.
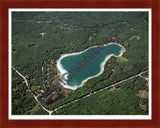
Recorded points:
(62, 70)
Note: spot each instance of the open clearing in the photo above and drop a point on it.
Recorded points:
(142, 94)
(122, 59)
(134, 38)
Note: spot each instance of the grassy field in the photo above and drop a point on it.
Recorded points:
(122, 59)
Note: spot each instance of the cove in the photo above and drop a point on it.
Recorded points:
(76, 68)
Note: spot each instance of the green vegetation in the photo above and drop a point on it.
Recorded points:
(134, 38)
(40, 38)
(22, 100)
(33, 88)
(122, 59)
(145, 74)
(118, 102)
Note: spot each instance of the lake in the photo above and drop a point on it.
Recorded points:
(77, 68)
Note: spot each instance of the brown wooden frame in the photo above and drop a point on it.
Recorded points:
(6, 4)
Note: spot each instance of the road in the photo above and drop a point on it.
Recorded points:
(139, 74)
(50, 112)
(25, 80)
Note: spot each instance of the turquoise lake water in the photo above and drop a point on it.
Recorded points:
(87, 64)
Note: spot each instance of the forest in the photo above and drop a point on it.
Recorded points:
(40, 38)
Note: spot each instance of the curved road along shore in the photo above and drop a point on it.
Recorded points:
(50, 112)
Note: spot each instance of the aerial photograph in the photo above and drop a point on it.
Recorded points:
(79, 63)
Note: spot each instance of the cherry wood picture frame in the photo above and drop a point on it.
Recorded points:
(107, 4)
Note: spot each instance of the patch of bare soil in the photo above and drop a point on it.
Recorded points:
(142, 94)
(42, 33)
(142, 106)
(14, 51)
(147, 79)
(113, 88)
